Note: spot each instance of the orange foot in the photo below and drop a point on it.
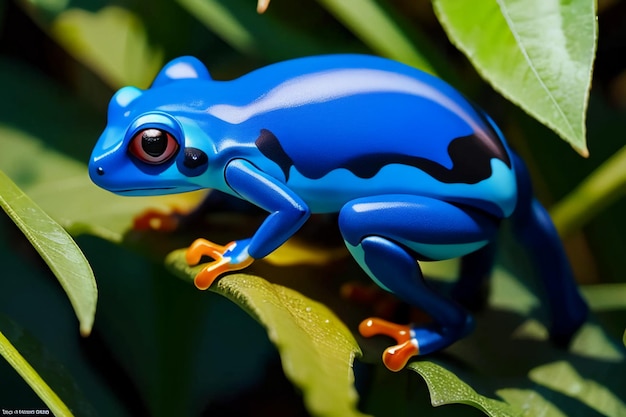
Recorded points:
(222, 263)
(397, 356)
(152, 219)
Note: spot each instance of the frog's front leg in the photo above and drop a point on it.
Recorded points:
(287, 214)
(386, 235)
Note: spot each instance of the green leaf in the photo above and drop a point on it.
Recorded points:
(189, 333)
(539, 54)
(508, 367)
(112, 42)
(56, 247)
(32, 378)
(220, 19)
(317, 350)
(437, 377)
(39, 322)
(46, 353)
(388, 39)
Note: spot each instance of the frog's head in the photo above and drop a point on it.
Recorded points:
(145, 150)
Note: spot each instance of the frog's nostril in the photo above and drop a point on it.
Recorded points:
(100, 171)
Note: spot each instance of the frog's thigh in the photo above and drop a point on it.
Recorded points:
(386, 233)
(432, 229)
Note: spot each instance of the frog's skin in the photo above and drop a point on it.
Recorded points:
(413, 170)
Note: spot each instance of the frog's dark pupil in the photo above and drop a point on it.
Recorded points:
(154, 142)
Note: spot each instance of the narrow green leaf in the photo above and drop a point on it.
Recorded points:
(238, 24)
(112, 42)
(539, 54)
(377, 29)
(222, 21)
(317, 350)
(56, 247)
(32, 378)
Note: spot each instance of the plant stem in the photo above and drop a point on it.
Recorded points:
(601, 188)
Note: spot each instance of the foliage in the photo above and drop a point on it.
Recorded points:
(517, 48)
(160, 347)
(56, 247)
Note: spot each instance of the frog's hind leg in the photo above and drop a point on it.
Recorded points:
(532, 224)
(472, 288)
(386, 234)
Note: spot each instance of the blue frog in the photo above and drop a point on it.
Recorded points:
(414, 171)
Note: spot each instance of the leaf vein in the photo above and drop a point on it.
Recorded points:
(511, 23)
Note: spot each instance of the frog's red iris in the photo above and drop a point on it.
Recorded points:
(153, 146)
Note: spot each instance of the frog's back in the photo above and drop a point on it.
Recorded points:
(361, 115)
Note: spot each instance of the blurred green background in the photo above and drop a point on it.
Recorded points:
(61, 61)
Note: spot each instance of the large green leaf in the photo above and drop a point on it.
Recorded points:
(317, 350)
(56, 247)
(538, 53)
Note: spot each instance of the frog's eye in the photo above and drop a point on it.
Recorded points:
(153, 146)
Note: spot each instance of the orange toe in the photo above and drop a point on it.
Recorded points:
(205, 278)
(203, 247)
(397, 356)
(374, 326)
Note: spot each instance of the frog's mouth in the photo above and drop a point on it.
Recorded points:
(150, 191)
(130, 191)
(124, 184)
(144, 191)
